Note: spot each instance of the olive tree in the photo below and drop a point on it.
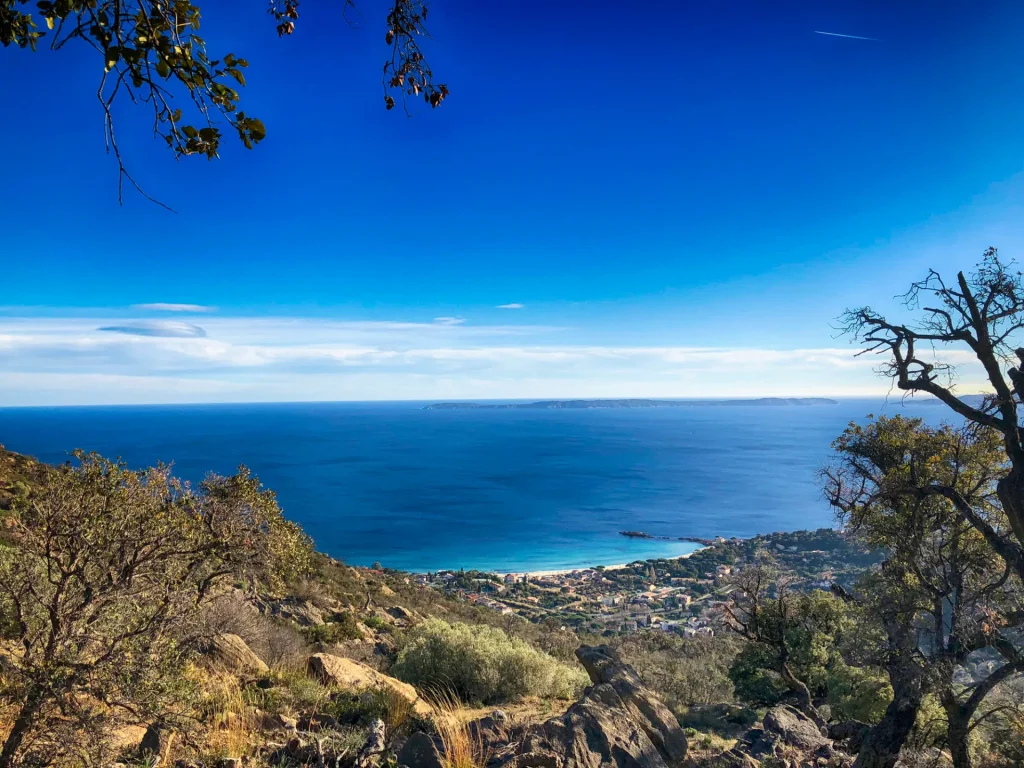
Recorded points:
(979, 318)
(103, 579)
(943, 593)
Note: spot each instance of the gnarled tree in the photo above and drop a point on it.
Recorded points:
(103, 579)
(982, 315)
(943, 593)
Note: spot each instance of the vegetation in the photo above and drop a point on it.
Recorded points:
(151, 54)
(482, 664)
(103, 577)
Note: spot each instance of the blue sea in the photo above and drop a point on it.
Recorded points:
(504, 490)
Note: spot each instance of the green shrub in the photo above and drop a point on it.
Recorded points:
(856, 693)
(482, 664)
(343, 627)
(377, 623)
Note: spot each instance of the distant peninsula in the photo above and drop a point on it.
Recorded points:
(634, 403)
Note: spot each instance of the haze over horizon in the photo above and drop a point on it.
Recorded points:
(679, 221)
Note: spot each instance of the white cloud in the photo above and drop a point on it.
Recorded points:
(449, 320)
(70, 360)
(161, 328)
(510, 306)
(164, 307)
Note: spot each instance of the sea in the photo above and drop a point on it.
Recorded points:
(504, 490)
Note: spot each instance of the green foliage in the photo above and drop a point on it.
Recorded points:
(151, 54)
(797, 630)
(857, 693)
(681, 670)
(482, 664)
(754, 678)
(377, 623)
(345, 626)
(103, 584)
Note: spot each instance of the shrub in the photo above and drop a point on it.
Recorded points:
(482, 664)
(344, 627)
(377, 623)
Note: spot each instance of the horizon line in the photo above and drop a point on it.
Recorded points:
(886, 397)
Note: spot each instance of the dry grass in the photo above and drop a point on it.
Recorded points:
(234, 723)
(461, 748)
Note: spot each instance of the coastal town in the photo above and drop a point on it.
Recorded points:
(687, 595)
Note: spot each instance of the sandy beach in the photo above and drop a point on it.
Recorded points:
(563, 571)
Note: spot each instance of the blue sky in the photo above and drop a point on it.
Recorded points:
(680, 196)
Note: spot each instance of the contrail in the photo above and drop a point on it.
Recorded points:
(852, 37)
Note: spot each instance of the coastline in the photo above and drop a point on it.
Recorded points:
(615, 567)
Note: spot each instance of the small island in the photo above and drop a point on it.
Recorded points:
(633, 403)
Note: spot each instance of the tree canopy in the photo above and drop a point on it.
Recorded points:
(149, 52)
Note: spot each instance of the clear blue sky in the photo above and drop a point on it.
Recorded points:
(675, 192)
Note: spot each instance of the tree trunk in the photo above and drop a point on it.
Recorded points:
(957, 730)
(882, 745)
(19, 729)
(1010, 490)
(803, 695)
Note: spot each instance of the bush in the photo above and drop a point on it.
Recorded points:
(344, 627)
(482, 664)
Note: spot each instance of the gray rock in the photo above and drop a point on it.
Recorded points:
(301, 612)
(374, 747)
(419, 751)
(153, 744)
(795, 728)
(619, 721)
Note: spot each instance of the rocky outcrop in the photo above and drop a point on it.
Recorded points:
(619, 721)
(232, 651)
(353, 676)
(301, 612)
(785, 733)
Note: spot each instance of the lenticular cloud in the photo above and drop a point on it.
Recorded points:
(173, 329)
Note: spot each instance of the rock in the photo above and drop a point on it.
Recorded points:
(419, 751)
(500, 715)
(154, 744)
(279, 722)
(398, 612)
(795, 728)
(317, 722)
(387, 591)
(351, 675)
(374, 747)
(656, 720)
(232, 651)
(302, 612)
(618, 722)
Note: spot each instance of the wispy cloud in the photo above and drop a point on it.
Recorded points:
(172, 329)
(510, 306)
(164, 307)
(70, 360)
(851, 37)
(449, 320)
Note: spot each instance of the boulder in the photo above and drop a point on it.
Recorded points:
(232, 651)
(154, 744)
(398, 612)
(619, 721)
(301, 612)
(419, 751)
(795, 728)
(351, 675)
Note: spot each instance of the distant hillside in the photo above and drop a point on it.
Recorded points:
(636, 403)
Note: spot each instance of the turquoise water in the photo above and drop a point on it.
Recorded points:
(505, 490)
